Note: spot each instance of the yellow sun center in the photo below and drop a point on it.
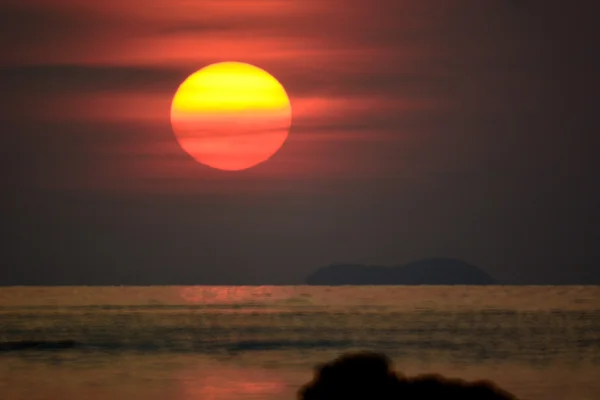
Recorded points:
(231, 115)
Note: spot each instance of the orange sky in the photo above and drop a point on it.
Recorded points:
(464, 128)
(324, 57)
(402, 73)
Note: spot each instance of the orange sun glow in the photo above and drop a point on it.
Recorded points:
(231, 115)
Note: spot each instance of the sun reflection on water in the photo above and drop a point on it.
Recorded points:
(225, 384)
(233, 294)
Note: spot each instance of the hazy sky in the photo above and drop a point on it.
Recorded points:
(461, 128)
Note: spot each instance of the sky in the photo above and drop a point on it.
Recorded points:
(464, 129)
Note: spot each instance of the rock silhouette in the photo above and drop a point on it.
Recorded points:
(369, 376)
(436, 271)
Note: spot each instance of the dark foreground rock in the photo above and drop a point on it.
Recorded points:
(369, 376)
(439, 271)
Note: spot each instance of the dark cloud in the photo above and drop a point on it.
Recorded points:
(61, 79)
(33, 34)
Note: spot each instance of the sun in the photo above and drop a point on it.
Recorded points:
(231, 115)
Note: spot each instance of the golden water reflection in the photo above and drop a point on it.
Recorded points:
(234, 294)
(232, 383)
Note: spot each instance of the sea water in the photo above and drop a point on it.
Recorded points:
(261, 342)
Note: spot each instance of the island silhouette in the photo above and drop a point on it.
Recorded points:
(433, 271)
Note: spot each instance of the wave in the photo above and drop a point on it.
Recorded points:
(22, 345)
(140, 307)
(201, 347)
(220, 346)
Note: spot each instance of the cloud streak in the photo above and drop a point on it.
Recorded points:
(398, 72)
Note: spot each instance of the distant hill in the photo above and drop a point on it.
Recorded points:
(438, 271)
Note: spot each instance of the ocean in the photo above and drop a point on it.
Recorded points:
(262, 342)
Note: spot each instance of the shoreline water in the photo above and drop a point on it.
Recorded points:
(176, 342)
